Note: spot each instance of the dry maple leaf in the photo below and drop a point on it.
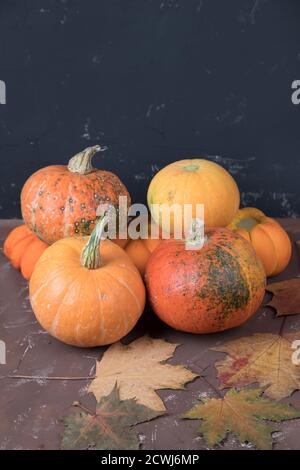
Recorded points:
(286, 299)
(138, 371)
(262, 358)
(110, 428)
(243, 413)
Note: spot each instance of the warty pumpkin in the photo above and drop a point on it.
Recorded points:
(270, 241)
(23, 248)
(61, 201)
(208, 289)
(194, 181)
(87, 293)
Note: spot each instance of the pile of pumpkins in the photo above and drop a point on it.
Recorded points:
(89, 291)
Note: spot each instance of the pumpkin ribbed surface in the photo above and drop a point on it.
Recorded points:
(270, 241)
(140, 250)
(86, 307)
(193, 181)
(23, 248)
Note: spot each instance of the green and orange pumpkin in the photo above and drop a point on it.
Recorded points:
(207, 289)
(60, 201)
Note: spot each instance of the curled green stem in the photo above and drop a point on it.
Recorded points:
(90, 256)
(82, 162)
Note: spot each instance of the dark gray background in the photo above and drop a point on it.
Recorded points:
(155, 81)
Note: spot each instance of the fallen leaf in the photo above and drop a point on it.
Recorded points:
(109, 429)
(243, 413)
(262, 358)
(286, 299)
(138, 371)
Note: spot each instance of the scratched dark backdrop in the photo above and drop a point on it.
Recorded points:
(155, 81)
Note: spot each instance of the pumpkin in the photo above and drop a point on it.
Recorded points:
(139, 250)
(62, 201)
(87, 293)
(195, 181)
(270, 241)
(208, 289)
(23, 248)
(122, 242)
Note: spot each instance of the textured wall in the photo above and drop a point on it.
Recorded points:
(155, 81)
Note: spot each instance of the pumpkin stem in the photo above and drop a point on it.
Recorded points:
(90, 256)
(82, 162)
(195, 239)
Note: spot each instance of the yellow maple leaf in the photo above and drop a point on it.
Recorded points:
(262, 358)
(138, 371)
(243, 413)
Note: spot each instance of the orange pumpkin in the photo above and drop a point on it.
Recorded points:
(23, 248)
(122, 242)
(87, 293)
(61, 201)
(269, 239)
(208, 289)
(195, 181)
(140, 250)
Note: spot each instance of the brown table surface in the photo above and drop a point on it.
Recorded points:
(30, 410)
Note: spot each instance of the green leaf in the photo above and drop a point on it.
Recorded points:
(110, 428)
(242, 412)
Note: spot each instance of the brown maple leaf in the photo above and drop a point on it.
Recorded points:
(243, 413)
(286, 298)
(262, 358)
(110, 428)
(138, 371)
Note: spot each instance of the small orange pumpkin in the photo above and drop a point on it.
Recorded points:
(270, 241)
(207, 289)
(87, 293)
(195, 181)
(23, 248)
(139, 250)
(61, 201)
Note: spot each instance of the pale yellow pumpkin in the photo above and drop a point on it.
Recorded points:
(195, 181)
